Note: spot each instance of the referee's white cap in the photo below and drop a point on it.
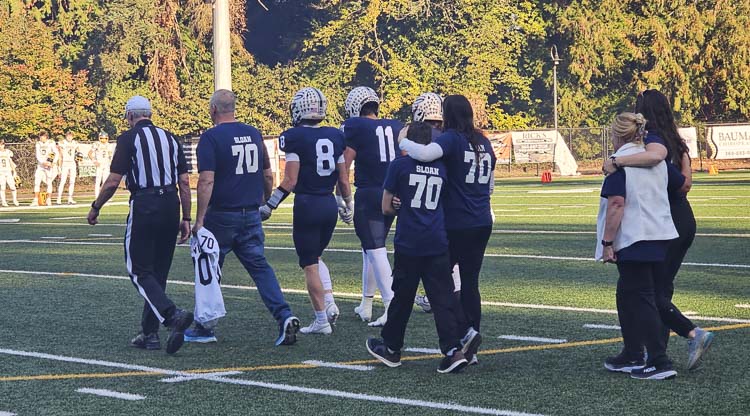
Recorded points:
(137, 102)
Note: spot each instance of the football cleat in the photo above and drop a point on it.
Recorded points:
(357, 98)
(146, 341)
(71, 201)
(317, 328)
(423, 302)
(308, 104)
(427, 107)
(453, 363)
(288, 331)
(364, 312)
(332, 312)
(377, 348)
(5, 204)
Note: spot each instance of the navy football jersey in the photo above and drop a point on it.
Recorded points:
(236, 154)
(420, 229)
(676, 178)
(375, 142)
(467, 202)
(318, 150)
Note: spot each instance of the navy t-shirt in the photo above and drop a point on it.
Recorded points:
(319, 149)
(375, 142)
(642, 251)
(236, 154)
(420, 230)
(467, 200)
(676, 178)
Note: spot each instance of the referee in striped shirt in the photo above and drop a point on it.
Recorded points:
(154, 166)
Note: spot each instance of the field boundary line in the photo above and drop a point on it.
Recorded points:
(359, 296)
(278, 386)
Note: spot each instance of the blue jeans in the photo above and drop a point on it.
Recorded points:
(242, 233)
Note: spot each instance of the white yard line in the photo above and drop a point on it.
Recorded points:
(533, 339)
(339, 366)
(68, 218)
(110, 393)
(203, 376)
(100, 235)
(424, 350)
(53, 238)
(276, 386)
(743, 306)
(599, 326)
(7, 414)
(9, 221)
(359, 295)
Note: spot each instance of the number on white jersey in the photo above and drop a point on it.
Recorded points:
(247, 160)
(431, 185)
(485, 171)
(326, 163)
(385, 139)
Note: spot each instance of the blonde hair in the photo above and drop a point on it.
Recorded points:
(629, 128)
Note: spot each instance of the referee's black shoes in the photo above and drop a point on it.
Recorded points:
(146, 341)
(178, 323)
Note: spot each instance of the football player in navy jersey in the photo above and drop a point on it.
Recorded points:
(314, 166)
(371, 145)
(468, 155)
(421, 244)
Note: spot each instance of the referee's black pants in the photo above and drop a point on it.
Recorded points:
(435, 272)
(150, 238)
(684, 221)
(640, 322)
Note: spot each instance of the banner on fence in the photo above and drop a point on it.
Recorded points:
(501, 145)
(729, 141)
(690, 135)
(544, 146)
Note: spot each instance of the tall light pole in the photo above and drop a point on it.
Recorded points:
(555, 61)
(222, 45)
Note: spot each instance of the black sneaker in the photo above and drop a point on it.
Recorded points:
(288, 331)
(376, 347)
(453, 363)
(178, 323)
(146, 341)
(470, 344)
(654, 372)
(622, 363)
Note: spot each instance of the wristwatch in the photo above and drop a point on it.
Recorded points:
(606, 243)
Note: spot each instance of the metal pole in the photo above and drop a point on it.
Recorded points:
(556, 61)
(222, 46)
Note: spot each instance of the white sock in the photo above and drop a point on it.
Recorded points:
(2, 198)
(325, 280)
(378, 259)
(369, 285)
(321, 317)
(456, 279)
(15, 196)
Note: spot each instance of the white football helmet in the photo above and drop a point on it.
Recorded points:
(308, 104)
(427, 107)
(357, 98)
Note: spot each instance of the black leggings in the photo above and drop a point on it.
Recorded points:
(684, 221)
(467, 249)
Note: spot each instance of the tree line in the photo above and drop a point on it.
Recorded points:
(72, 64)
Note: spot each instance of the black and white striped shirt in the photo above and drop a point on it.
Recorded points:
(148, 157)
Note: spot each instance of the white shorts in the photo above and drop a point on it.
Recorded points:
(7, 178)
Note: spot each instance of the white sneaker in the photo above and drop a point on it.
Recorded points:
(16, 203)
(317, 328)
(332, 312)
(5, 204)
(71, 202)
(34, 203)
(364, 313)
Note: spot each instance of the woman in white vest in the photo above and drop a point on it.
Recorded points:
(633, 228)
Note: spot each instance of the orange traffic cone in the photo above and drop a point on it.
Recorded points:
(713, 170)
(546, 177)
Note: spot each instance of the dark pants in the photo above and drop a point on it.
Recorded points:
(313, 223)
(684, 221)
(435, 272)
(640, 322)
(370, 224)
(242, 233)
(467, 249)
(150, 238)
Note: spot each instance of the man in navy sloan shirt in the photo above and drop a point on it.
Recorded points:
(235, 179)
(421, 252)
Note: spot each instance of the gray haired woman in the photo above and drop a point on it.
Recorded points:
(634, 226)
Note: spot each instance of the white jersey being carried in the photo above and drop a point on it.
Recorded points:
(209, 303)
(68, 151)
(6, 164)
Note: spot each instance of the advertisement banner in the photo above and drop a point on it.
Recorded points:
(690, 135)
(501, 144)
(544, 146)
(728, 142)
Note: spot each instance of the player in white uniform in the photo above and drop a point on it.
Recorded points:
(101, 154)
(46, 157)
(7, 174)
(68, 150)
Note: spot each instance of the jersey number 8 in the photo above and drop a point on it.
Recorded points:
(325, 162)
(248, 156)
(432, 185)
